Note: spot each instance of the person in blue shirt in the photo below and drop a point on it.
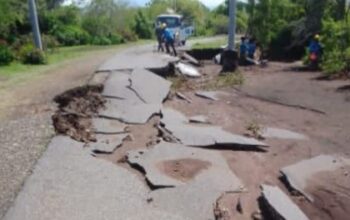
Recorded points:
(315, 46)
(169, 39)
(243, 51)
(251, 48)
(159, 35)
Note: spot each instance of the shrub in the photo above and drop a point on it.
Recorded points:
(31, 55)
(71, 35)
(333, 62)
(50, 43)
(6, 56)
(101, 41)
(116, 39)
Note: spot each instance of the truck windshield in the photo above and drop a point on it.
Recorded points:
(171, 22)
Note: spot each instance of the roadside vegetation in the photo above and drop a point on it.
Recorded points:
(285, 27)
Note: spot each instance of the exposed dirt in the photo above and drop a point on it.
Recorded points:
(331, 194)
(274, 92)
(184, 169)
(76, 107)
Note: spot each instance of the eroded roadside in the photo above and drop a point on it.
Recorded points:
(196, 154)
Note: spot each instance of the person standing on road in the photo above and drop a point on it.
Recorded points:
(243, 50)
(169, 40)
(159, 35)
(251, 48)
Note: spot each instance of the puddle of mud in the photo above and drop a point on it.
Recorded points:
(184, 169)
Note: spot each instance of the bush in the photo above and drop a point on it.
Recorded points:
(31, 55)
(116, 39)
(333, 62)
(101, 41)
(71, 35)
(6, 56)
(50, 43)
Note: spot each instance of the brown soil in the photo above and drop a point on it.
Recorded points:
(331, 194)
(76, 107)
(184, 169)
(328, 134)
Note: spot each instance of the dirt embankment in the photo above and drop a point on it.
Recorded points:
(76, 107)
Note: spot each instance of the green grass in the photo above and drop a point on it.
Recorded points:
(212, 44)
(55, 59)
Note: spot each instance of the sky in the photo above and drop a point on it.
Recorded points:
(208, 3)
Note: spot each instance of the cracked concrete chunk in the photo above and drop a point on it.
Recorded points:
(203, 136)
(171, 116)
(282, 134)
(151, 88)
(300, 173)
(107, 143)
(188, 70)
(214, 165)
(117, 86)
(200, 192)
(68, 183)
(130, 113)
(107, 126)
(281, 206)
(200, 119)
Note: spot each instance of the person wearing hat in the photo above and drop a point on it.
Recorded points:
(315, 50)
(169, 39)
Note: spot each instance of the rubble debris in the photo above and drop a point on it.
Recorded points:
(182, 96)
(220, 213)
(207, 95)
(129, 113)
(107, 143)
(281, 133)
(191, 59)
(78, 128)
(107, 126)
(239, 207)
(188, 70)
(279, 205)
(203, 136)
(151, 88)
(84, 100)
(200, 119)
(205, 165)
(298, 175)
(76, 107)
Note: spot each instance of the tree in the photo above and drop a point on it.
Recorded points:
(143, 27)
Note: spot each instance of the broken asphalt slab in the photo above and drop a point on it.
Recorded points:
(298, 175)
(152, 161)
(107, 143)
(107, 126)
(279, 205)
(117, 86)
(129, 113)
(203, 136)
(149, 87)
(282, 134)
(68, 183)
(194, 198)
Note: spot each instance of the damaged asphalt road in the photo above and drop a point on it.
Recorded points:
(180, 177)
